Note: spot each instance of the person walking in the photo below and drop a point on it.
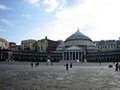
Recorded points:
(70, 65)
(116, 66)
(67, 66)
(31, 64)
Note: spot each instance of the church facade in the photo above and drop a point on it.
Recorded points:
(79, 47)
(76, 46)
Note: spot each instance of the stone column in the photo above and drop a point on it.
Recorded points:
(75, 54)
(81, 57)
(72, 55)
(69, 55)
(64, 55)
(85, 56)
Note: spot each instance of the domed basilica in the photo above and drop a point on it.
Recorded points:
(76, 46)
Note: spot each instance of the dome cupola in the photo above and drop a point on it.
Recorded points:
(78, 39)
(78, 36)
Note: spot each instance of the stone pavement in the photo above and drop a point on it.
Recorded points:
(90, 76)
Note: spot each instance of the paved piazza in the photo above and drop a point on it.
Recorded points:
(92, 76)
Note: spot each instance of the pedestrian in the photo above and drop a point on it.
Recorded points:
(78, 61)
(116, 66)
(67, 66)
(99, 62)
(31, 64)
(70, 65)
(48, 61)
(36, 64)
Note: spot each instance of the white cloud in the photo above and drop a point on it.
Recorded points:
(33, 2)
(52, 5)
(27, 16)
(47, 5)
(6, 22)
(69, 19)
(3, 7)
(107, 19)
(99, 19)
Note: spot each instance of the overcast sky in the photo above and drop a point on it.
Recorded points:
(58, 19)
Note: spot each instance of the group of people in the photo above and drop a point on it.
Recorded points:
(34, 64)
(67, 66)
(117, 67)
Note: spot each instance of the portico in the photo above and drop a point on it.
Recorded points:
(73, 53)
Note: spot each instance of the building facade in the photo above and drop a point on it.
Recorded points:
(4, 44)
(28, 45)
(47, 45)
(105, 45)
(12, 46)
(77, 47)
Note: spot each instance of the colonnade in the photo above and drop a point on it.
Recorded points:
(73, 55)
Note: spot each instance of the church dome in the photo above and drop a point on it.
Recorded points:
(78, 36)
(78, 39)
